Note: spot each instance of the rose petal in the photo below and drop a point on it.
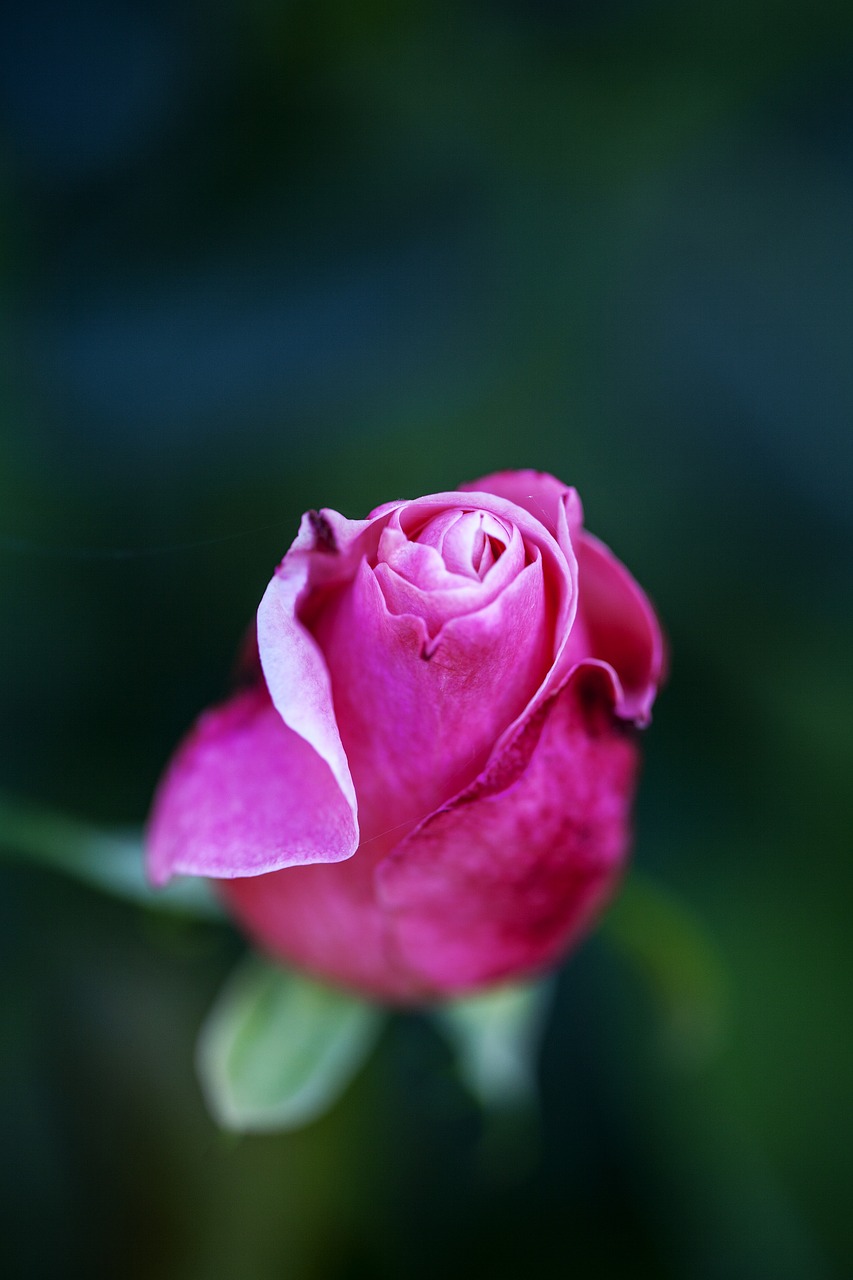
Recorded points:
(464, 537)
(543, 495)
(414, 578)
(621, 627)
(245, 795)
(419, 716)
(325, 919)
(558, 559)
(615, 624)
(324, 555)
(501, 880)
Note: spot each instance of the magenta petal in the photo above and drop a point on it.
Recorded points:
(615, 622)
(621, 627)
(419, 716)
(500, 881)
(326, 920)
(246, 795)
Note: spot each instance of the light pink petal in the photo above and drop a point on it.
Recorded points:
(557, 507)
(463, 537)
(419, 715)
(543, 495)
(324, 556)
(509, 510)
(500, 881)
(245, 795)
(545, 503)
(415, 579)
(621, 627)
(417, 563)
(553, 543)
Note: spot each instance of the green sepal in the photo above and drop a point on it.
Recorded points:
(278, 1049)
(496, 1037)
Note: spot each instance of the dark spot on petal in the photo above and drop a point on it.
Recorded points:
(324, 535)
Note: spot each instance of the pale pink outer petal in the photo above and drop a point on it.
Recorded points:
(259, 785)
(245, 795)
(294, 668)
(499, 882)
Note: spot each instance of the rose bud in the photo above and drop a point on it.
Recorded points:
(425, 787)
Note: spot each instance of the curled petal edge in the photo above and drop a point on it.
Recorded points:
(608, 593)
(622, 628)
(326, 553)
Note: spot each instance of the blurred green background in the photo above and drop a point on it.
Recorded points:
(265, 256)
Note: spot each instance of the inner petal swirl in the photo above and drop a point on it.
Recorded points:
(446, 562)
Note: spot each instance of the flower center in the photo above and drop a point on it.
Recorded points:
(441, 563)
(469, 542)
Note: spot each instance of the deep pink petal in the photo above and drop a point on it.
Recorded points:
(615, 623)
(500, 881)
(419, 716)
(621, 627)
(245, 795)
(326, 920)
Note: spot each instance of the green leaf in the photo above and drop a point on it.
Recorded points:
(278, 1049)
(668, 945)
(496, 1038)
(112, 861)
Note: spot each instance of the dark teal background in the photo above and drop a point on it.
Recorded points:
(261, 257)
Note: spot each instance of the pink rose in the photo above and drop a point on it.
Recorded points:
(425, 785)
